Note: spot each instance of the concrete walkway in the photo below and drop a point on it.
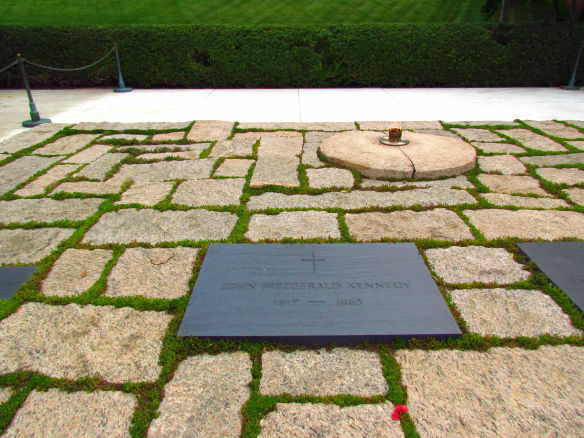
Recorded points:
(292, 105)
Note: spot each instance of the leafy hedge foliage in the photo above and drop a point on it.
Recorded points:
(334, 56)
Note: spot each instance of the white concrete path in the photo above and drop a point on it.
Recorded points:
(293, 105)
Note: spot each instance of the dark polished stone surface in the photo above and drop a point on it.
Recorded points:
(563, 263)
(316, 294)
(12, 277)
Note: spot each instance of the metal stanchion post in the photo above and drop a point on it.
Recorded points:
(121, 84)
(35, 118)
(572, 84)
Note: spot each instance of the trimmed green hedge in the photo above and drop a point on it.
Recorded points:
(334, 56)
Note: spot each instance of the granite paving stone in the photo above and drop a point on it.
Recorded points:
(47, 210)
(528, 224)
(56, 413)
(469, 264)
(475, 134)
(66, 145)
(234, 167)
(152, 226)
(209, 192)
(576, 195)
(442, 132)
(152, 273)
(363, 199)
(505, 164)
(112, 185)
(210, 130)
(329, 420)
(29, 138)
(75, 272)
(88, 155)
(330, 177)
(278, 160)
(562, 176)
(239, 147)
(496, 148)
(72, 341)
(99, 168)
(438, 224)
(160, 148)
(577, 144)
(578, 123)
(555, 129)
(532, 140)
(5, 394)
(205, 397)
(322, 373)
(146, 194)
(310, 155)
(121, 126)
(512, 313)
(523, 201)
(128, 137)
(485, 122)
(167, 170)
(38, 185)
(554, 160)
(293, 224)
(30, 246)
(21, 169)
(178, 135)
(299, 126)
(512, 184)
(185, 155)
(384, 126)
(495, 393)
(458, 182)
(317, 136)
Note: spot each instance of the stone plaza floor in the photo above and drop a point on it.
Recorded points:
(119, 216)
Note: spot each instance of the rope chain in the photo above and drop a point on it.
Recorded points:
(70, 69)
(12, 64)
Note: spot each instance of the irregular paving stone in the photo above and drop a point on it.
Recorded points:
(234, 167)
(469, 264)
(523, 201)
(512, 184)
(113, 185)
(562, 176)
(330, 177)
(205, 397)
(210, 130)
(505, 164)
(501, 392)
(486, 122)
(310, 155)
(75, 272)
(460, 182)
(146, 194)
(578, 123)
(577, 144)
(237, 147)
(179, 135)
(439, 224)
(118, 126)
(129, 137)
(38, 186)
(321, 373)
(474, 134)
(384, 126)
(5, 394)
(152, 226)
(317, 136)
(554, 160)
(66, 145)
(72, 341)
(512, 313)
(527, 224)
(100, 167)
(30, 246)
(278, 160)
(18, 171)
(47, 210)
(576, 195)
(76, 414)
(328, 420)
(29, 138)
(209, 192)
(556, 129)
(533, 141)
(152, 273)
(88, 155)
(434, 132)
(299, 126)
(161, 148)
(362, 199)
(492, 148)
(167, 170)
(293, 224)
(188, 155)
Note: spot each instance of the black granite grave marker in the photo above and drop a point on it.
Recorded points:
(12, 277)
(563, 263)
(316, 294)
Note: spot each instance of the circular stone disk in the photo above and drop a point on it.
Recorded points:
(427, 156)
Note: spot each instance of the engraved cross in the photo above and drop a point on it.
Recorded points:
(313, 260)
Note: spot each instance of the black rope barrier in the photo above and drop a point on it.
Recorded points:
(12, 64)
(85, 67)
